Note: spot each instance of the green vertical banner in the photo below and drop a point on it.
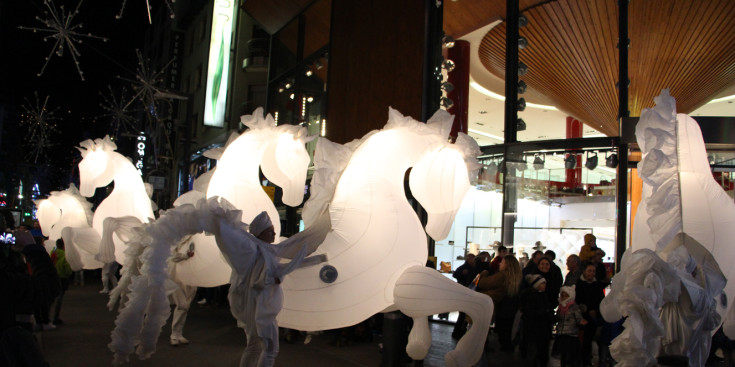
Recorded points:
(218, 68)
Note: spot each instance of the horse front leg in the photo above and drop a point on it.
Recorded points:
(420, 292)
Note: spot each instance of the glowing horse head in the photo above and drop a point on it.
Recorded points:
(96, 168)
(285, 160)
(376, 249)
(62, 209)
(376, 233)
(441, 178)
(100, 165)
(281, 154)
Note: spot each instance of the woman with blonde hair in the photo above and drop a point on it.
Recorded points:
(503, 288)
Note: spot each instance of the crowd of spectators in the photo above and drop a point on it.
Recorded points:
(541, 311)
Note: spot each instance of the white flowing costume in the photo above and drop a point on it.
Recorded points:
(255, 295)
(184, 294)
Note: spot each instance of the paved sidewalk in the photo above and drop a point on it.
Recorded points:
(215, 341)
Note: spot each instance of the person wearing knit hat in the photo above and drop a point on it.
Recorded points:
(537, 314)
(536, 281)
(262, 228)
(569, 319)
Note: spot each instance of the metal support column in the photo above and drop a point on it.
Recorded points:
(622, 187)
(510, 198)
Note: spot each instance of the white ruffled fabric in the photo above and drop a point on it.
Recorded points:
(659, 166)
(645, 283)
(330, 160)
(146, 310)
(688, 222)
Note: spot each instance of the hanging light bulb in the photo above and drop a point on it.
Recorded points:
(446, 102)
(447, 87)
(522, 165)
(448, 65)
(570, 162)
(522, 69)
(522, 21)
(591, 162)
(522, 86)
(448, 41)
(521, 104)
(538, 163)
(520, 125)
(522, 42)
(612, 160)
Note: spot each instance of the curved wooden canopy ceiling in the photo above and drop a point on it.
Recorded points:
(685, 45)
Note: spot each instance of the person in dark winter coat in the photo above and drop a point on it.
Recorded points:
(553, 280)
(590, 293)
(18, 346)
(464, 274)
(48, 287)
(569, 319)
(537, 317)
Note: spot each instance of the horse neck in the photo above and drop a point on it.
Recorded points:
(126, 177)
(238, 168)
(398, 156)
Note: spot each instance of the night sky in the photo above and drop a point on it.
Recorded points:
(23, 55)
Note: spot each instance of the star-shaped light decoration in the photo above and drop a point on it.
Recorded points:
(41, 125)
(117, 110)
(148, 7)
(60, 27)
(148, 87)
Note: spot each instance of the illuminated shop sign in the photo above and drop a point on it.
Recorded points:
(219, 63)
(141, 153)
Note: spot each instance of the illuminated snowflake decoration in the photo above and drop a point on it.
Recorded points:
(60, 28)
(118, 111)
(40, 120)
(148, 87)
(148, 7)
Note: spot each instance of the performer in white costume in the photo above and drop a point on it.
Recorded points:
(184, 294)
(256, 298)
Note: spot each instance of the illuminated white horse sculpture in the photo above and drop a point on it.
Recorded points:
(280, 152)
(671, 283)
(100, 166)
(377, 248)
(60, 212)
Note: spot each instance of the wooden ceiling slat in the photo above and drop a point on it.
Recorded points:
(684, 45)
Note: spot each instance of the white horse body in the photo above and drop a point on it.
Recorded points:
(378, 245)
(67, 209)
(275, 149)
(359, 221)
(100, 166)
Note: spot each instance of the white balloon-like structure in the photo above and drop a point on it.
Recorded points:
(60, 212)
(281, 154)
(671, 283)
(100, 165)
(377, 247)
(145, 307)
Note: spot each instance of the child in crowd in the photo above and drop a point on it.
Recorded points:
(537, 315)
(569, 318)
